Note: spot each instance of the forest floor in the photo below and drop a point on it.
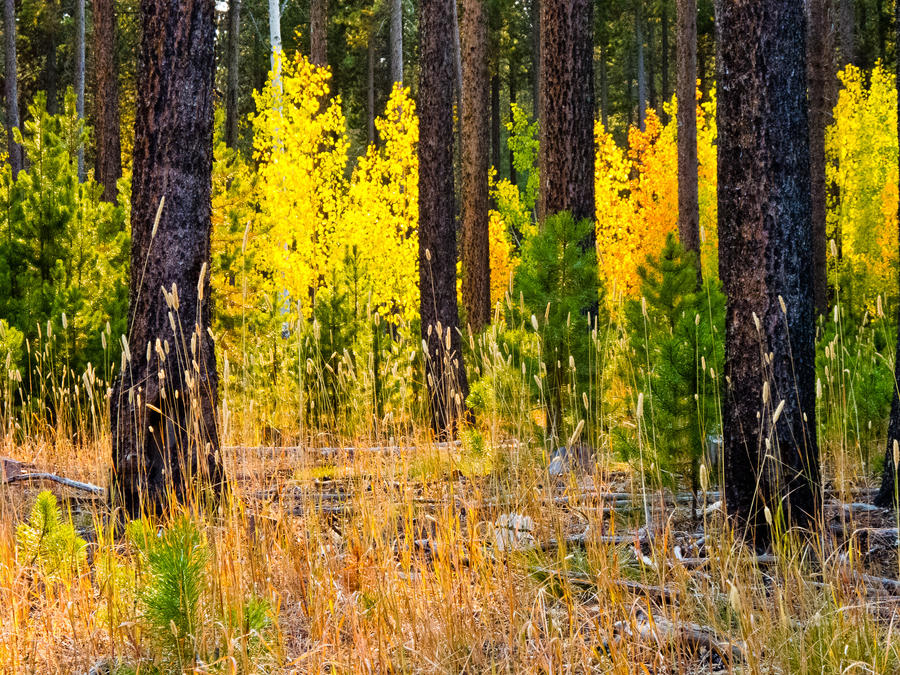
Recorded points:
(452, 559)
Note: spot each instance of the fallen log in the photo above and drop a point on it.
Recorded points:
(662, 631)
(68, 482)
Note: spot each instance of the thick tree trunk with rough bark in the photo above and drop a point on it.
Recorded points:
(819, 69)
(688, 199)
(370, 85)
(233, 68)
(567, 109)
(495, 121)
(108, 161)
(476, 280)
(318, 32)
(446, 375)
(164, 405)
(765, 235)
(12, 91)
(888, 494)
(396, 37)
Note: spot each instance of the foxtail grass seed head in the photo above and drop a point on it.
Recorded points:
(819, 387)
(428, 254)
(896, 455)
(836, 313)
(879, 310)
(577, 433)
(534, 323)
(125, 350)
(65, 323)
(584, 400)
(704, 478)
(756, 322)
(640, 405)
(644, 306)
(734, 598)
(780, 302)
(768, 514)
(778, 412)
(765, 392)
(159, 210)
(833, 246)
(200, 283)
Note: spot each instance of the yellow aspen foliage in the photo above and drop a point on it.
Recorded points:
(637, 196)
(861, 152)
(300, 142)
(382, 212)
(510, 216)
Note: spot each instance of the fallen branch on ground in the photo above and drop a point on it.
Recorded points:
(68, 482)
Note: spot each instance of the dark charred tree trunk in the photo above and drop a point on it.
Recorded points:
(688, 198)
(445, 371)
(765, 235)
(664, 61)
(819, 68)
(318, 32)
(12, 87)
(233, 60)
(476, 280)
(108, 161)
(567, 109)
(164, 404)
(396, 37)
(888, 494)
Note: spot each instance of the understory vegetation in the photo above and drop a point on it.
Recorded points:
(348, 539)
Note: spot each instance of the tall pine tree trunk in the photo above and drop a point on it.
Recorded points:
(476, 281)
(164, 404)
(888, 494)
(396, 36)
(651, 65)
(12, 91)
(446, 375)
(688, 199)
(108, 161)
(513, 94)
(765, 235)
(567, 109)
(847, 30)
(819, 65)
(233, 68)
(318, 32)
(79, 76)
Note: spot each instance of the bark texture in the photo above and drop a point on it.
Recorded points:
(108, 160)
(888, 494)
(664, 59)
(164, 405)
(396, 37)
(567, 105)
(233, 67)
(476, 281)
(318, 32)
(688, 199)
(820, 65)
(445, 372)
(765, 235)
(12, 91)
(847, 29)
